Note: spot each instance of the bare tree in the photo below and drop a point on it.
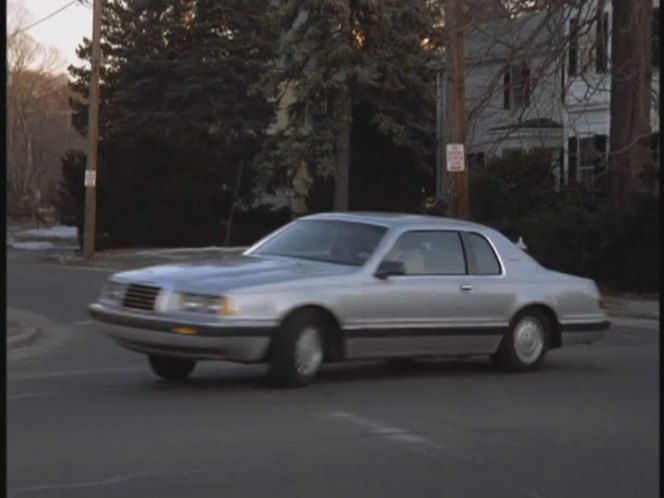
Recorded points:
(37, 114)
(563, 47)
(533, 34)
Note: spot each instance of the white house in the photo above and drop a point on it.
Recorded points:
(541, 83)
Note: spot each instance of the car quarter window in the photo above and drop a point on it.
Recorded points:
(429, 253)
(482, 259)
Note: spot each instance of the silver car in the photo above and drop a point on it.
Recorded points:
(344, 286)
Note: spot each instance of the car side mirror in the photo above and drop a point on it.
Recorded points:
(389, 268)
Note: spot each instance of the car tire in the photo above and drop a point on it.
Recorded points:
(170, 368)
(297, 351)
(524, 345)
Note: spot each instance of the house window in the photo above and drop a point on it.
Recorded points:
(602, 43)
(573, 54)
(517, 91)
(655, 37)
(591, 159)
(585, 50)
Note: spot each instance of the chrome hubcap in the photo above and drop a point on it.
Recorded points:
(528, 340)
(308, 352)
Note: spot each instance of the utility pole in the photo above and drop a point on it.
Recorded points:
(456, 105)
(89, 229)
(441, 130)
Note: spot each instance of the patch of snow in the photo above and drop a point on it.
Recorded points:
(57, 232)
(32, 246)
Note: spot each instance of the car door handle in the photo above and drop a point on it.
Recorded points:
(466, 287)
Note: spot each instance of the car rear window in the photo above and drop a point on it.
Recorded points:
(482, 259)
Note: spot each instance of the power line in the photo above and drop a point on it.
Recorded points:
(45, 18)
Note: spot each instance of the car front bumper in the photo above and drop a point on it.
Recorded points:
(150, 333)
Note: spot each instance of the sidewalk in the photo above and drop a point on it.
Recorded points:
(628, 307)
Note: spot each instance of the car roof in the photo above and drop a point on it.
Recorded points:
(393, 219)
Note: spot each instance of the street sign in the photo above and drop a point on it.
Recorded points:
(90, 178)
(455, 158)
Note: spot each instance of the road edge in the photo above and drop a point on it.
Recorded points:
(633, 315)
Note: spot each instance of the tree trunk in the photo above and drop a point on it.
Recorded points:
(24, 169)
(234, 203)
(630, 97)
(342, 171)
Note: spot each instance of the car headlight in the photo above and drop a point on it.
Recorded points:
(199, 303)
(113, 292)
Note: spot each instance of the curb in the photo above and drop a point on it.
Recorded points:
(31, 326)
(23, 339)
(634, 315)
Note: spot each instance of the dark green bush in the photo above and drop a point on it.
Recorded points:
(573, 230)
(512, 187)
(615, 249)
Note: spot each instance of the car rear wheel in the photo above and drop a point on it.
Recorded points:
(170, 368)
(524, 346)
(297, 351)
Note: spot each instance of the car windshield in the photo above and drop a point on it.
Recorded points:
(330, 241)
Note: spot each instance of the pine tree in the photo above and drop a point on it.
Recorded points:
(180, 117)
(337, 55)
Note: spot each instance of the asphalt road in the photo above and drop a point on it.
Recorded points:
(88, 419)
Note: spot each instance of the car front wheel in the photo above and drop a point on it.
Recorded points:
(170, 368)
(297, 351)
(523, 347)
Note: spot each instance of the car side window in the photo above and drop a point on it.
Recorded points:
(429, 253)
(482, 259)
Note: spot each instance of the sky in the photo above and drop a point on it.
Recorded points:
(63, 31)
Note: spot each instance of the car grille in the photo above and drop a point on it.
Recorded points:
(140, 297)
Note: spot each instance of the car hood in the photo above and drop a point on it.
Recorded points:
(232, 273)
